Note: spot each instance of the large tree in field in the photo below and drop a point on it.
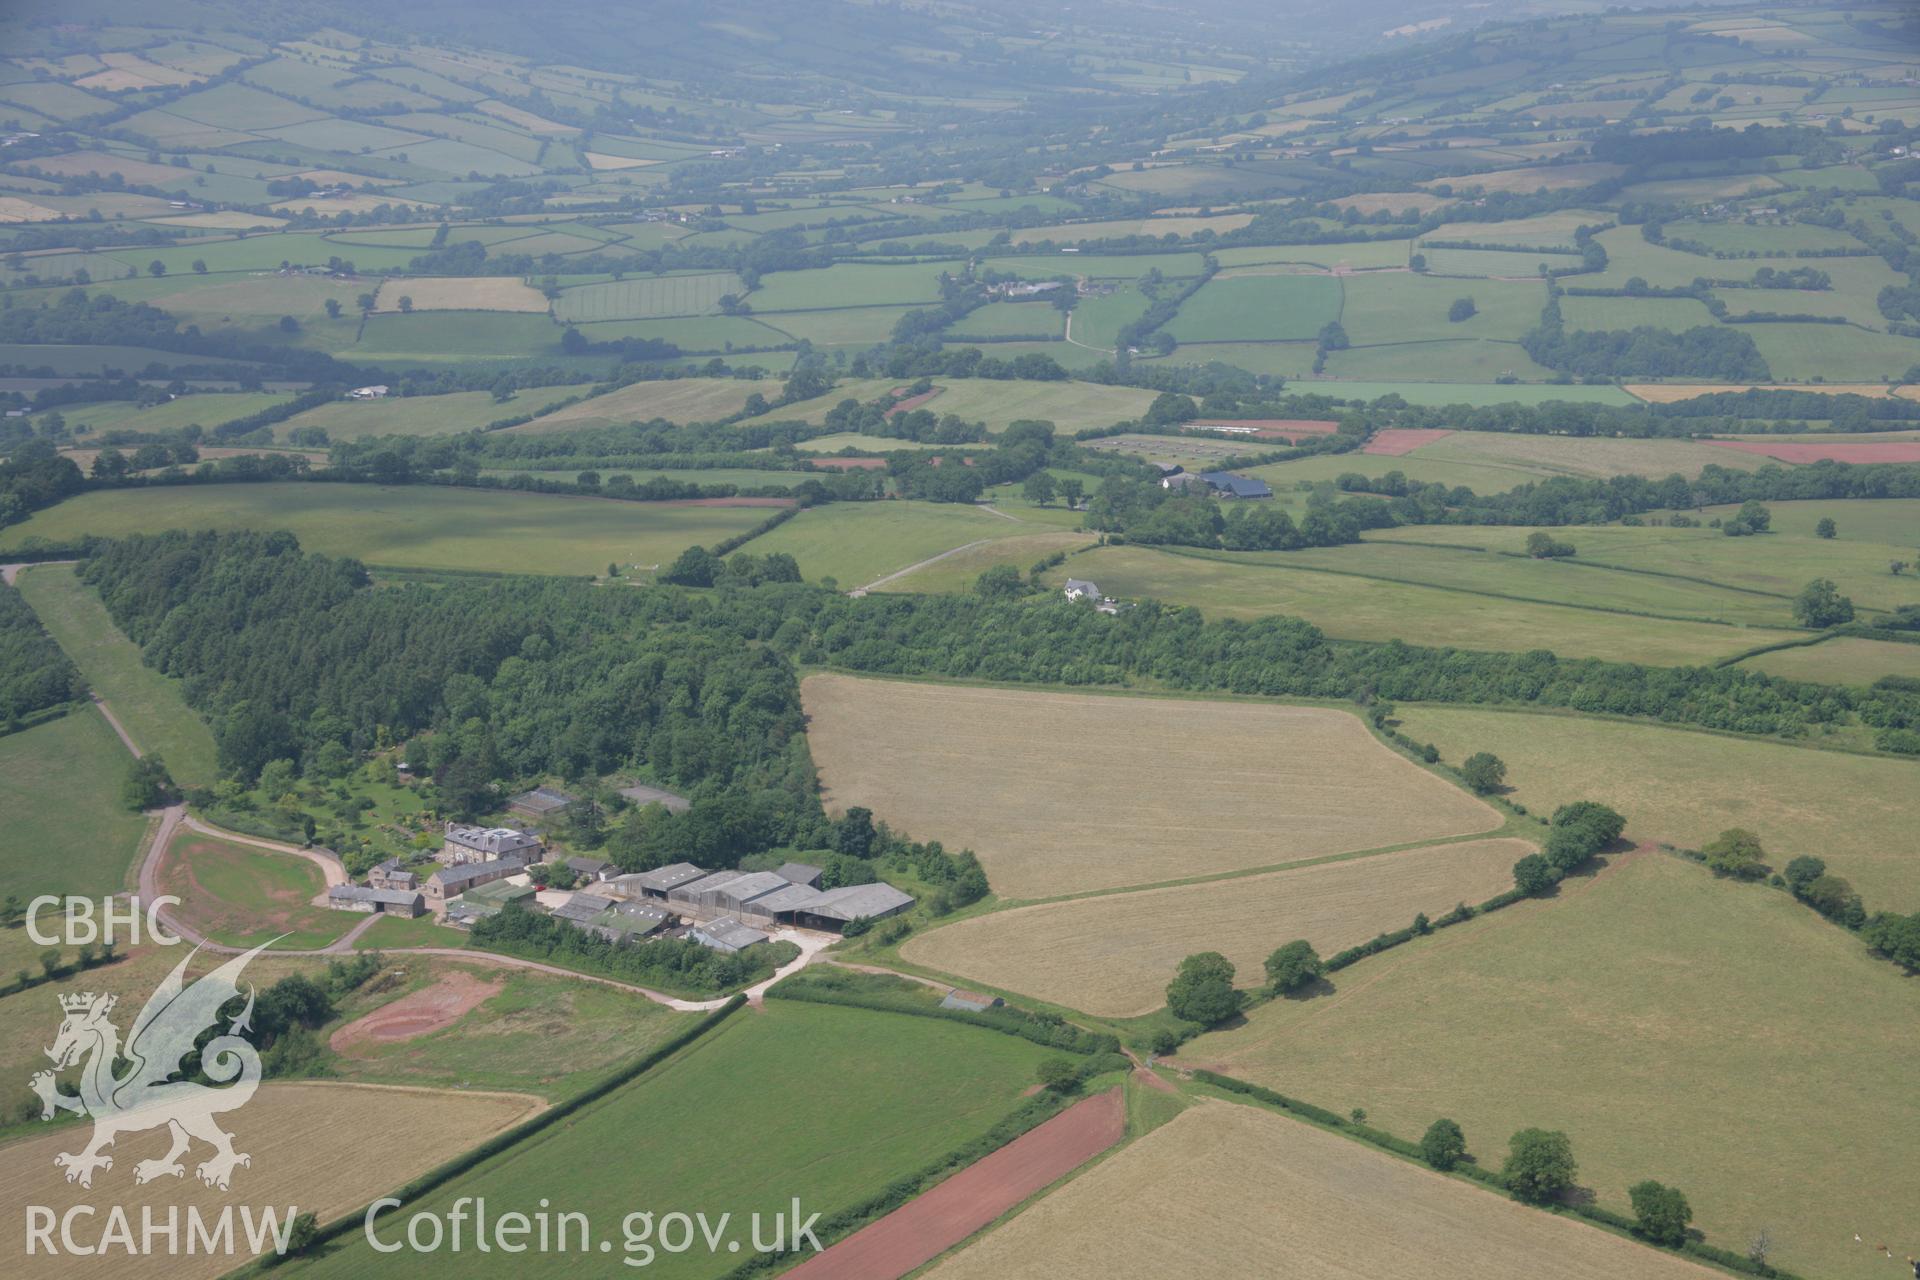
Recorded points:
(1443, 1145)
(1484, 772)
(1663, 1213)
(1540, 1165)
(1820, 604)
(1293, 966)
(1736, 852)
(1202, 990)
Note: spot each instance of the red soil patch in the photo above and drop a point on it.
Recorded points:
(1269, 428)
(1840, 451)
(729, 502)
(851, 464)
(934, 1222)
(428, 1009)
(912, 402)
(1396, 441)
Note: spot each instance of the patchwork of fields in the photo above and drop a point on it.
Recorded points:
(1605, 1014)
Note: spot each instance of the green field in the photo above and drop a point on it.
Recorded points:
(849, 285)
(1278, 308)
(1012, 320)
(1446, 393)
(1347, 607)
(1843, 660)
(1685, 787)
(148, 705)
(240, 895)
(1628, 313)
(1893, 522)
(1403, 307)
(647, 298)
(441, 336)
(422, 415)
(1594, 457)
(857, 543)
(1777, 563)
(1070, 406)
(1669, 1022)
(832, 1104)
(422, 527)
(206, 410)
(1098, 318)
(1468, 359)
(66, 830)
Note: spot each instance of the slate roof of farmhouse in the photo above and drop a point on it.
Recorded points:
(1239, 486)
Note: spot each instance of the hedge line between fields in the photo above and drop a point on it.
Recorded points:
(1029, 1115)
(439, 1176)
(727, 546)
(1485, 1177)
(1019, 1023)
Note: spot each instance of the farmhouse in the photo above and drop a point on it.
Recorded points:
(405, 903)
(642, 795)
(1182, 481)
(655, 884)
(541, 802)
(377, 392)
(451, 882)
(391, 875)
(483, 844)
(726, 934)
(1229, 485)
(1079, 589)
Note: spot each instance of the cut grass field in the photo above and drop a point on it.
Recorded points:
(148, 705)
(1779, 563)
(1598, 457)
(1283, 1199)
(956, 573)
(1273, 308)
(675, 399)
(858, 543)
(301, 1155)
(409, 526)
(1063, 793)
(66, 831)
(1446, 393)
(1684, 788)
(1347, 607)
(1112, 955)
(441, 415)
(241, 895)
(1669, 1022)
(648, 297)
(1400, 307)
(453, 293)
(1842, 660)
(832, 1104)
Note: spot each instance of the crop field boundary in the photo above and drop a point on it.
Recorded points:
(1577, 563)
(1222, 558)
(506, 1140)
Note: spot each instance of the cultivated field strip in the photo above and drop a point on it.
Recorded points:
(1306, 1204)
(302, 1156)
(1065, 793)
(1112, 955)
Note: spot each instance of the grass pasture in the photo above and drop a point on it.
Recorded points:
(858, 543)
(1162, 789)
(675, 399)
(849, 285)
(1604, 1013)
(300, 1155)
(833, 1127)
(1302, 1202)
(648, 298)
(242, 895)
(82, 843)
(1351, 607)
(408, 526)
(1843, 660)
(461, 293)
(149, 706)
(1070, 406)
(1593, 457)
(439, 415)
(1112, 954)
(1684, 788)
(1277, 308)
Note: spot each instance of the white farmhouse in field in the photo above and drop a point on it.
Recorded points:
(1077, 589)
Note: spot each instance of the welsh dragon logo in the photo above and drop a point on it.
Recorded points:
(148, 1095)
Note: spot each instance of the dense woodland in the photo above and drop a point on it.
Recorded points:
(34, 672)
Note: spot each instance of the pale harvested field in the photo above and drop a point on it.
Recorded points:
(1113, 955)
(1275, 1198)
(302, 1156)
(675, 399)
(1064, 793)
(1557, 178)
(470, 293)
(595, 160)
(15, 209)
(1672, 392)
(525, 119)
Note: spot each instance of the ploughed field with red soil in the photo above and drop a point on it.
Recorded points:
(1839, 451)
(1397, 441)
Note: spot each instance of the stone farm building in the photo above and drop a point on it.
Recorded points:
(392, 875)
(451, 882)
(612, 918)
(406, 903)
(462, 844)
(590, 870)
(484, 900)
